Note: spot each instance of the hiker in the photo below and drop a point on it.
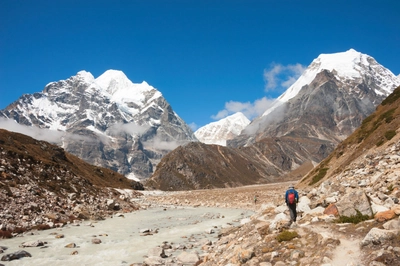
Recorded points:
(291, 199)
(255, 199)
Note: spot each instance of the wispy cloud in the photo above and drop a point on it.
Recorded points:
(128, 128)
(52, 136)
(162, 144)
(249, 109)
(193, 126)
(277, 78)
(280, 77)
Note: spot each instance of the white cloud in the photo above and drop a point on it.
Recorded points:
(280, 77)
(250, 110)
(193, 126)
(52, 136)
(271, 76)
(128, 128)
(161, 144)
(277, 78)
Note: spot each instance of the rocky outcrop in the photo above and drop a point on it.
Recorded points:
(42, 186)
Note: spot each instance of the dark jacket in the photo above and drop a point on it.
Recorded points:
(296, 195)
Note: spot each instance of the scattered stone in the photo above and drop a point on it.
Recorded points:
(385, 216)
(188, 258)
(36, 243)
(96, 241)
(16, 255)
(331, 210)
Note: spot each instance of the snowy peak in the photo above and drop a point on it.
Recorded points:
(85, 76)
(116, 85)
(348, 67)
(221, 131)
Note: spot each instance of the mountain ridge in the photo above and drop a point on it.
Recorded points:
(302, 131)
(107, 121)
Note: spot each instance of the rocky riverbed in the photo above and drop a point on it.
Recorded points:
(155, 235)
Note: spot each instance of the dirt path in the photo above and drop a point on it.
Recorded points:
(347, 252)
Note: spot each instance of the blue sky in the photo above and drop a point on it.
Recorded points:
(208, 58)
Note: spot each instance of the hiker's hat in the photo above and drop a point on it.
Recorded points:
(291, 186)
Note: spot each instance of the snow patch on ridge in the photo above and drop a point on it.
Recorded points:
(221, 131)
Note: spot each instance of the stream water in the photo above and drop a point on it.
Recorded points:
(121, 239)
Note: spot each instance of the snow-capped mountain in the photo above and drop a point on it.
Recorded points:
(324, 106)
(350, 66)
(328, 102)
(220, 131)
(108, 121)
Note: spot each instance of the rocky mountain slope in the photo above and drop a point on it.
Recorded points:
(348, 212)
(108, 121)
(377, 130)
(225, 129)
(41, 186)
(325, 105)
(198, 165)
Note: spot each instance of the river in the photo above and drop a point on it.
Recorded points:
(122, 242)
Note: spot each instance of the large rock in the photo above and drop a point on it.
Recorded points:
(376, 236)
(353, 201)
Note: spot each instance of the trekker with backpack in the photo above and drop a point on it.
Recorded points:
(291, 199)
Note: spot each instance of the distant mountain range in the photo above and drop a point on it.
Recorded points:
(107, 121)
(305, 124)
(130, 128)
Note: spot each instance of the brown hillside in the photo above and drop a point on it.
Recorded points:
(201, 166)
(42, 186)
(18, 147)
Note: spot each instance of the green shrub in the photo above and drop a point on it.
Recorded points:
(354, 219)
(392, 97)
(367, 120)
(286, 235)
(387, 116)
(390, 134)
(321, 173)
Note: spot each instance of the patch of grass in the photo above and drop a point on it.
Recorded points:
(354, 219)
(392, 97)
(387, 116)
(286, 235)
(367, 120)
(321, 173)
(390, 134)
(380, 142)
